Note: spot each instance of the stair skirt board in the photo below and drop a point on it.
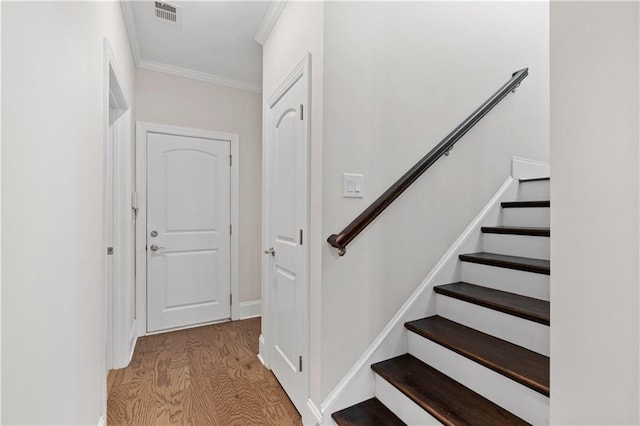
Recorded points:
(403, 407)
(517, 245)
(511, 280)
(358, 385)
(509, 394)
(527, 216)
(518, 331)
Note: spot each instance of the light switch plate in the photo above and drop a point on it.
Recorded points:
(352, 185)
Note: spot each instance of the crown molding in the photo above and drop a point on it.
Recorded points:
(130, 23)
(270, 20)
(198, 75)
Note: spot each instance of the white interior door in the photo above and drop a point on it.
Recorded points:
(188, 231)
(287, 183)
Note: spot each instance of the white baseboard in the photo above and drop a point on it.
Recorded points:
(358, 384)
(261, 349)
(314, 412)
(522, 168)
(250, 309)
(133, 340)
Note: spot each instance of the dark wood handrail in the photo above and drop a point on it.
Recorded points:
(341, 240)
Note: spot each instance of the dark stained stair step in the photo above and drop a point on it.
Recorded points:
(515, 362)
(510, 303)
(445, 399)
(517, 230)
(520, 204)
(534, 179)
(538, 266)
(371, 412)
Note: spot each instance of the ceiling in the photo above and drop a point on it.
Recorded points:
(213, 40)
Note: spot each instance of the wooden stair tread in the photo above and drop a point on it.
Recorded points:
(510, 303)
(526, 204)
(538, 266)
(517, 230)
(371, 412)
(534, 179)
(515, 362)
(445, 399)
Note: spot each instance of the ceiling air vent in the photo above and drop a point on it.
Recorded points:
(166, 12)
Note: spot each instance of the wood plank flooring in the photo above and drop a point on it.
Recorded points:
(202, 376)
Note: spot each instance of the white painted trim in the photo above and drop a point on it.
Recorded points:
(314, 411)
(142, 129)
(358, 383)
(101, 421)
(250, 309)
(198, 75)
(298, 71)
(0, 217)
(269, 21)
(522, 168)
(235, 224)
(112, 336)
(133, 339)
(261, 350)
(130, 23)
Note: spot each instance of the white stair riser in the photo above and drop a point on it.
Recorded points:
(522, 332)
(403, 407)
(509, 394)
(511, 280)
(527, 216)
(517, 245)
(537, 190)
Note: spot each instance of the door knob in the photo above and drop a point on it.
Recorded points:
(154, 247)
(271, 251)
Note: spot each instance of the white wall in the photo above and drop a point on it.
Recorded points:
(52, 207)
(167, 99)
(595, 193)
(0, 212)
(299, 31)
(397, 78)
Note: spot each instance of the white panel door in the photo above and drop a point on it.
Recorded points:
(287, 183)
(188, 227)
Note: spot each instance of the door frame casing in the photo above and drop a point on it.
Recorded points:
(142, 129)
(117, 342)
(302, 71)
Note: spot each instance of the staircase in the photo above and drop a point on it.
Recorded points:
(484, 358)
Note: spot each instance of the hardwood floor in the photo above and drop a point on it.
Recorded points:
(202, 376)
